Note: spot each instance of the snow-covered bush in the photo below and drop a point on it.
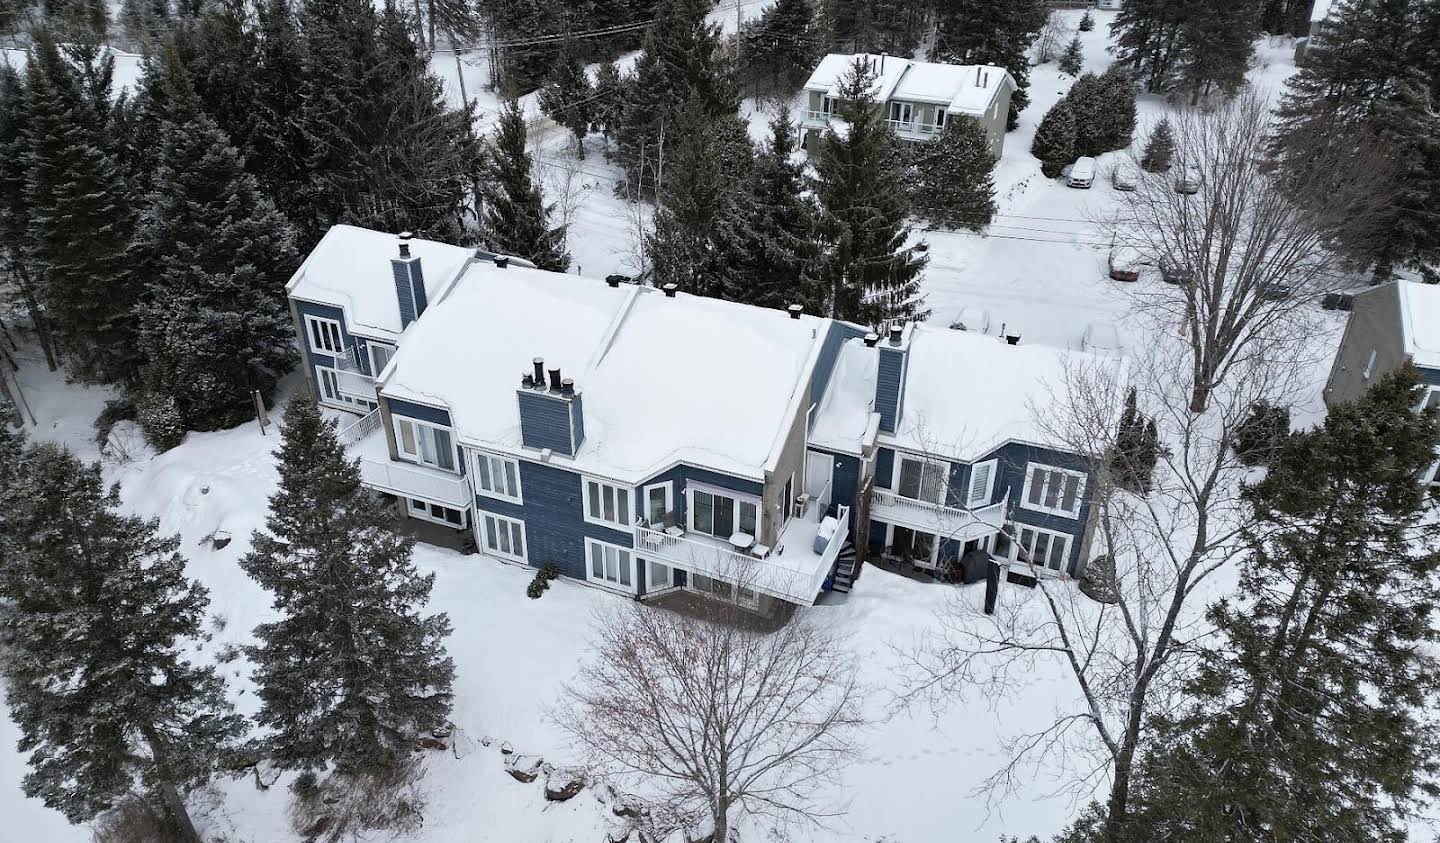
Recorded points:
(159, 417)
(541, 583)
(345, 807)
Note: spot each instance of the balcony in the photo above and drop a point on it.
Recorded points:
(365, 440)
(349, 379)
(938, 519)
(816, 118)
(913, 128)
(792, 571)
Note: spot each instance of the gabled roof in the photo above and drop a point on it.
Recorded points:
(965, 393)
(350, 268)
(1420, 321)
(663, 380)
(968, 88)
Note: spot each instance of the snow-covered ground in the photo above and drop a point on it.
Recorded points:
(1039, 268)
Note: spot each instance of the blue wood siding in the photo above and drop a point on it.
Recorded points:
(681, 475)
(544, 421)
(889, 381)
(1428, 376)
(323, 311)
(877, 536)
(835, 337)
(884, 466)
(434, 415)
(577, 419)
(409, 288)
(1011, 460)
(554, 517)
(844, 479)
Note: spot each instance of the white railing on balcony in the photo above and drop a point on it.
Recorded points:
(912, 127)
(355, 384)
(711, 554)
(813, 116)
(363, 427)
(406, 480)
(834, 546)
(936, 517)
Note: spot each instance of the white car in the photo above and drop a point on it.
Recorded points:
(1082, 173)
(1125, 177)
(1100, 338)
(1188, 180)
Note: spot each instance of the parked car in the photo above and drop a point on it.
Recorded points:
(1338, 300)
(1188, 180)
(1175, 272)
(1274, 291)
(1124, 177)
(1082, 173)
(1100, 338)
(1125, 263)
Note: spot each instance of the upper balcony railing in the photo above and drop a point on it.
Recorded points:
(415, 481)
(938, 518)
(814, 116)
(366, 425)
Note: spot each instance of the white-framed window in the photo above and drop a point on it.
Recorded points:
(1369, 366)
(939, 119)
(424, 443)
(501, 536)
(1057, 491)
(900, 112)
(982, 484)
(324, 335)
(328, 382)
(1046, 549)
(745, 598)
(435, 512)
(380, 354)
(827, 105)
(659, 501)
(497, 477)
(919, 479)
(607, 504)
(722, 513)
(609, 565)
(658, 576)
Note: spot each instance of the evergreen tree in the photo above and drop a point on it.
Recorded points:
(1286, 17)
(609, 99)
(1087, 22)
(873, 26)
(1054, 142)
(996, 32)
(99, 609)
(1136, 449)
(683, 60)
(1217, 41)
(78, 21)
(778, 251)
(953, 183)
(1367, 80)
(351, 672)
(145, 21)
(79, 224)
(868, 273)
(221, 60)
(1310, 718)
(11, 12)
(1146, 37)
(276, 151)
(1071, 60)
(14, 209)
(1159, 149)
(569, 99)
(698, 240)
(783, 46)
(516, 216)
(215, 322)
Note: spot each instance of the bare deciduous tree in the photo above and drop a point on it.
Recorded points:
(1253, 251)
(1126, 660)
(731, 719)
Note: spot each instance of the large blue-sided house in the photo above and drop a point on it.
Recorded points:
(645, 440)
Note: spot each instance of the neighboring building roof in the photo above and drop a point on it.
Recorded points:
(1320, 11)
(663, 380)
(965, 393)
(350, 268)
(968, 88)
(1420, 321)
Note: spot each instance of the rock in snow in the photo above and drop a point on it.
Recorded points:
(523, 768)
(562, 784)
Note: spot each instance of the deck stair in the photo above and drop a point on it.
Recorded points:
(846, 571)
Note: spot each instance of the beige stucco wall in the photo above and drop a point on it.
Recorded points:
(791, 462)
(1374, 325)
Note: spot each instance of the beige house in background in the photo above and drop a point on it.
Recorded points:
(918, 97)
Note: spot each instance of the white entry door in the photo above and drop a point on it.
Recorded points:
(818, 470)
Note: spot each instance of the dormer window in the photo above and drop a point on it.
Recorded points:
(423, 443)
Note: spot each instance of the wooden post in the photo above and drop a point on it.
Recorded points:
(259, 410)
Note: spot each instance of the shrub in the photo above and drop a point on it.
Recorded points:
(121, 409)
(159, 416)
(1087, 23)
(541, 583)
(133, 820)
(1261, 432)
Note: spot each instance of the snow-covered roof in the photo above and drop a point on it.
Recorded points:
(966, 393)
(1420, 321)
(350, 268)
(1320, 11)
(968, 88)
(663, 380)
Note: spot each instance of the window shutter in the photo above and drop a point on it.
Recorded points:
(980, 483)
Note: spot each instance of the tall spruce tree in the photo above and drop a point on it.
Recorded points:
(276, 151)
(14, 210)
(215, 325)
(1072, 59)
(1159, 148)
(79, 222)
(868, 273)
(996, 32)
(702, 206)
(1310, 718)
(1054, 142)
(516, 216)
(351, 672)
(683, 60)
(99, 610)
(874, 26)
(782, 47)
(569, 99)
(953, 184)
(1370, 77)
(609, 100)
(1199, 46)
(778, 249)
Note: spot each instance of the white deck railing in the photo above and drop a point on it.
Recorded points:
(813, 116)
(684, 551)
(355, 384)
(415, 481)
(361, 428)
(935, 517)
